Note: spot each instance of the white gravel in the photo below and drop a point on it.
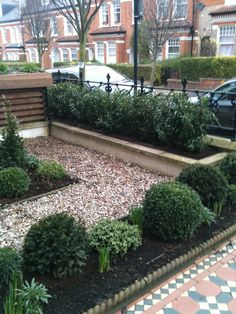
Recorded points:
(109, 188)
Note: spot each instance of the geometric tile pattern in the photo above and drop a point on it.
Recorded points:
(206, 287)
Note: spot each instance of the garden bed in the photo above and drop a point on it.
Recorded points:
(147, 157)
(39, 187)
(80, 293)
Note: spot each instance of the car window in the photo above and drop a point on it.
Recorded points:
(99, 74)
(61, 77)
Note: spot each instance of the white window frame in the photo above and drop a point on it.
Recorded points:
(114, 12)
(104, 14)
(227, 32)
(183, 4)
(68, 54)
(71, 53)
(33, 55)
(173, 42)
(54, 25)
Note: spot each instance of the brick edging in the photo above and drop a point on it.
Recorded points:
(139, 285)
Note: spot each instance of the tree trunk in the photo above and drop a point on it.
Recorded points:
(153, 73)
(40, 58)
(82, 53)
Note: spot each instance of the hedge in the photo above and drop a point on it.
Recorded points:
(151, 118)
(191, 68)
(143, 70)
(8, 67)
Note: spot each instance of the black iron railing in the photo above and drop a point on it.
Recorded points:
(223, 104)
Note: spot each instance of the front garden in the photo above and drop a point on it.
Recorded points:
(117, 222)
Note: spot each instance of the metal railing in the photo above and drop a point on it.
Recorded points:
(223, 104)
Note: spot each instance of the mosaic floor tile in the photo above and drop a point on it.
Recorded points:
(214, 291)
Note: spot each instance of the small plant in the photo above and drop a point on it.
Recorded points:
(12, 152)
(231, 197)
(13, 303)
(56, 245)
(104, 260)
(30, 68)
(13, 181)
(111, 238)
(173, 211)
(32, 162)
(136, 216)
(228, 167)
(208, 182)
(10, 263)
(51, 170)
(33, 295)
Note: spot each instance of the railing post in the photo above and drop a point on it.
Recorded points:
(59, 76)
(81, 77)
(108, 87)
(184, 84)
(142, 85)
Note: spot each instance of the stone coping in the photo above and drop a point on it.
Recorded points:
(140, 287)
(222, 142)
(146, 157)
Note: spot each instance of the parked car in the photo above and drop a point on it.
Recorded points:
(222, 100)
(95, 74)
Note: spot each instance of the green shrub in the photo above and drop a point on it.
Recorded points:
(136, 217)
(13, 303)
(56, 245)
(13, 181)
(231, 197)
(29, 68)
(172, 211)
(51, 170)
(10, 262)
(32, 162)
(175, 123)
(159, 119)
(228, 167)
(65, 63)
(3, 68)
(116, 237)
(12, 152)
(208, 182)
(33, 295)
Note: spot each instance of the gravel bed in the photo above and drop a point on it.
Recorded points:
(109, 188)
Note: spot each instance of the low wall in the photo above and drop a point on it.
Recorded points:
(148, 158)
(33, 129)
(202, 84)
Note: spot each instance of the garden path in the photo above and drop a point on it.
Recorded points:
(208, 286)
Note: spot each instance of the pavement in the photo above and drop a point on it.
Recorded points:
(208, 286)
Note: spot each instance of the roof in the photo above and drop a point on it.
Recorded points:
(15, 46)
(224, 10)
(66, 39)
(109, 30)
(10, 12)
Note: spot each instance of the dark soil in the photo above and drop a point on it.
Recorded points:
(75, 295)
(39, 186)
(174, 149)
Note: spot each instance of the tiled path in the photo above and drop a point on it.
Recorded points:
(207, 286)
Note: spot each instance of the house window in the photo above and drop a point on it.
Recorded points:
(54, 25)
(112, 48)
(104, 9)
(180, 9)
(33, 57)
(4, 35)
(69, 27)
(173, 48)
(74, 56)
(116, 8)
(227, 39)
(163, 8)
(65, 55)
(100, 52)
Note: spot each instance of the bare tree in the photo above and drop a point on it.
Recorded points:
(36, 17)
(161, 18)
(80, 13)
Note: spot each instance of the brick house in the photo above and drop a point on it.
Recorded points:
(109, 39)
